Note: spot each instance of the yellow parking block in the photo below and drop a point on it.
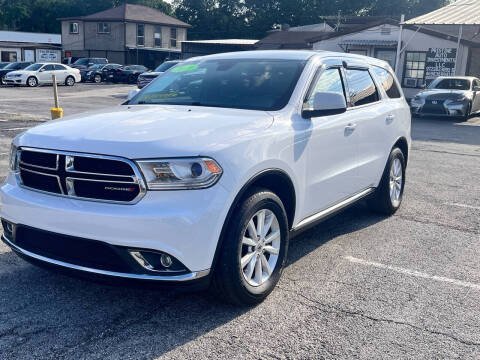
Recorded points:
(56, 113)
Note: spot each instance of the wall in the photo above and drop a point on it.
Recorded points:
(72, 41)
(419, 42)
(114, 40)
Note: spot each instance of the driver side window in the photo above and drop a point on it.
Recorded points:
(329, 81)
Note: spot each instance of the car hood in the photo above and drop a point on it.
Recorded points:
(20, 72)
(440, 94)
(151, 74)
(147, 131)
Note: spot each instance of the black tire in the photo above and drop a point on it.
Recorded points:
(32, 81)
(97, 79)
(70, 81)
(228, 280)
(468, 113)
(381, 201)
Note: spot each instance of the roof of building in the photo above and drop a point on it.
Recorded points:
(461, 12)
(133, 13)
(224, 41)
(289, 40)
(28, 37)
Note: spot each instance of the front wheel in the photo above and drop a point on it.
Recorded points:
(97, 79)
(32, 81)
(254, 250)
(387, 198)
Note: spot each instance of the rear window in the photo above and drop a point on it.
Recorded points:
(362, 89)
(388, 83)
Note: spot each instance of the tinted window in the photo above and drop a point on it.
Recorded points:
(13, 66)
(388, 83)
(60, 67)
(255, 84)
(329, 81)
(48, 67)
(34, 67)
(82, 61)
(451, 84)
(361, 87)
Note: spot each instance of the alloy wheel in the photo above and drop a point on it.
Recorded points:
(70, 81)
(32, 82)
(396, 182)
(260, 247)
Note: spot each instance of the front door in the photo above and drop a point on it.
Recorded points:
(331, 165)
(45, 74)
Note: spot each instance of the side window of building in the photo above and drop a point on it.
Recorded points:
(173, 37)
(414, 74)
(73, 28)
(329, 81)
(388, 82)
(157, 36)
(140, 34)
(362, 89)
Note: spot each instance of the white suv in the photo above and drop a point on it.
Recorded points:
(203, 175)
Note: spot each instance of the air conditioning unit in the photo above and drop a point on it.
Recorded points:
(409, 82)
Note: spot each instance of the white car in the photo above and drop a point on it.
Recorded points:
(41, 73)
(202, 176)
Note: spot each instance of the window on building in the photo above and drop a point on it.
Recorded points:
(173, 37)
(103, 28)
(73, 28)
(362, 89)
(9, 56)
(414, 71)
(140, 34)
(388, 83)
(157, 36)
(330, 81)
(387, 55)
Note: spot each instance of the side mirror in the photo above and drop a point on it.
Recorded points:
(326, 103)
(41, 70)
(476, 88)
(132, 93)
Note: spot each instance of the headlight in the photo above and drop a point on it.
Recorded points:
(181, 173)
(14, 155)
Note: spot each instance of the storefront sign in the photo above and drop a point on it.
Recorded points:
(48, 55)
(440, 62)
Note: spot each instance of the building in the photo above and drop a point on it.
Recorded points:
(207, 47)
(26, 46)
(127, 34)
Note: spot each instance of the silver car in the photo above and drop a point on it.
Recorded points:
(448, 96)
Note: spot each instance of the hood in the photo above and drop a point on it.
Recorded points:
(441, 94)
(150, 74)
(19, 72)
(148, 131)
(5, 71)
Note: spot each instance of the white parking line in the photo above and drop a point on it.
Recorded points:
(413, 273)
(464, 206)
(19, 128)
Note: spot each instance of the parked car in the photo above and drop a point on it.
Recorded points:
(12, 67)
(41, 73)
(128, 74)
(448, 96)
(84, 63)
(202, 176)
(3, 64)
(145, 78)
(100, 72)
(69, 60)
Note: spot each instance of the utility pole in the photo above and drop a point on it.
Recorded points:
(399, 46)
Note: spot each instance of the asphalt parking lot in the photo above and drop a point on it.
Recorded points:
(357, 286)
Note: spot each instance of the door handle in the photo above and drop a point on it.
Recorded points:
(350, 128)
(390, 119)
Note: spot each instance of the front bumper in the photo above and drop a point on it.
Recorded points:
(15, 81)
(183, 224)
(440, 109)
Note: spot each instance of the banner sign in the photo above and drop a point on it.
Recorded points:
(440, 62)
(48, 55)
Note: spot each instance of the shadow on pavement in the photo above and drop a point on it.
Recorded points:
(447, 130)
(43, 314)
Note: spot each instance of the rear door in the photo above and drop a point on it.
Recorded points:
(331, 165)
(61, 73)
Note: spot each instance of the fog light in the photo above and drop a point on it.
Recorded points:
(166, 260)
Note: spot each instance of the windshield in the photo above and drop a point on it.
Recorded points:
(2, 65)
(96, 67)
(81, 62)
(253, 84)
(12, 66)
(450, 84)
(165, 66)
(33, 67)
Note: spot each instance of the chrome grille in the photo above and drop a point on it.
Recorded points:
(80, 176)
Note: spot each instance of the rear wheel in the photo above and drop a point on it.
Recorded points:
(387, 198)
(32, 81)
(70, 81)
(254, 250)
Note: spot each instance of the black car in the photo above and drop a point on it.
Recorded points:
(145, 78)
(20, 65)
(83, 64)
(128, 74)
(100, 72)
(3, 64)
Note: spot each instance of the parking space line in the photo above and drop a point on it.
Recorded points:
(413, 273)
(464, 206)
(13, 129)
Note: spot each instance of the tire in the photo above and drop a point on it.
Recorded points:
(2, 80)
(386, 200)
(468, 113)
(252, 283)
(97, 79)
(69, 81)
(32, 81)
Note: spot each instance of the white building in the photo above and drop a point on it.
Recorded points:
(25, 46)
